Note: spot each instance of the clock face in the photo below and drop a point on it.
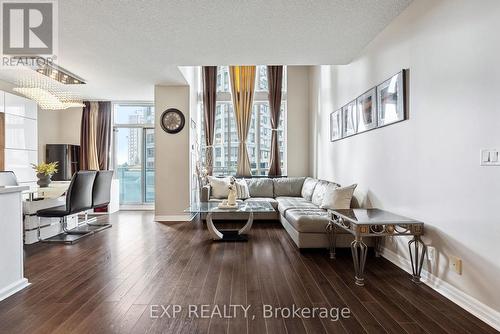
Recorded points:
(172, 120)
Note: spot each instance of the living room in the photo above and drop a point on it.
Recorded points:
(295, 175)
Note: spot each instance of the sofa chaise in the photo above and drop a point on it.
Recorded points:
(299, 205)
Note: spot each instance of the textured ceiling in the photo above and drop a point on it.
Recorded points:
(123, 47)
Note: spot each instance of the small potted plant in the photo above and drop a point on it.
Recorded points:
(44, 172)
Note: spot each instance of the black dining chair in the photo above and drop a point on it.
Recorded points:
(101, 196)
(78, 200)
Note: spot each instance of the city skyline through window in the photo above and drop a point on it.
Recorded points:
(259, 136)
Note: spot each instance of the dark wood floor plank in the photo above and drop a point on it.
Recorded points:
(108, 283)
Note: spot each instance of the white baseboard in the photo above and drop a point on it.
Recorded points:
(174, 218)
(468, 303)
(11, 289)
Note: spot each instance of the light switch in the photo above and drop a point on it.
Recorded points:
(490, 157)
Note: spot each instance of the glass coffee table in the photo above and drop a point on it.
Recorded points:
(211, 208)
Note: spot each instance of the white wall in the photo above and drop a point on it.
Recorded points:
(171, 157)
(427, 167)
(58, 127)
(297, 156)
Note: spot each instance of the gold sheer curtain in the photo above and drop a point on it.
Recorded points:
(93, 159)
(242, 90)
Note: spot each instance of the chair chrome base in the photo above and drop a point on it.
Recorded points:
(64, 238)
(87, 228)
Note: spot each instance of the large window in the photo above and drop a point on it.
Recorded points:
(134, 152)
(259, 136)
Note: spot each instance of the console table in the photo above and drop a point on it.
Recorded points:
(375, 223)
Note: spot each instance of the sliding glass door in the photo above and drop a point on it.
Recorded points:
(134, 153)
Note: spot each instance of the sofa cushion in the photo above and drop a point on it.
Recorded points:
(308, 188)
(338, 197)
(287, 203)
(219, 186)
(308, 220)
(319, 192)
(271, 200)
(288, 186)
(260, 187)
(242, 189)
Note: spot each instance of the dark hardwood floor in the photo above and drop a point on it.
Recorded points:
(111, 283)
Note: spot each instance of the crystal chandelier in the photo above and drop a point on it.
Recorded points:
(48, 93)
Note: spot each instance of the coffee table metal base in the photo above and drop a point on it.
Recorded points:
(229, 234)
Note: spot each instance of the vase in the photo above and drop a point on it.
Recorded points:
(43, 180)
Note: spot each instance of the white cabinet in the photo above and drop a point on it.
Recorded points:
(21, 135)
(19, 161)
(20, 106)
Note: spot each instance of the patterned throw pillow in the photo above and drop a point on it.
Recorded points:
(242, 191)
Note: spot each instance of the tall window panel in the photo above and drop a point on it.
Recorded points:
(259, 136)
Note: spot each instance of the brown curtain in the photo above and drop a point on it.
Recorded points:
(91, 133)
(242, 89)
(84, 136)
(209, 103)
(103, 138)
(275, 79)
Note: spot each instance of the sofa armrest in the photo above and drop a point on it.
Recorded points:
(205, 193)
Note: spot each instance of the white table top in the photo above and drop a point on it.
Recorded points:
(12, 189)
(54, 190)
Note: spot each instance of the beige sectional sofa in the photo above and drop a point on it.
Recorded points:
(297, 201)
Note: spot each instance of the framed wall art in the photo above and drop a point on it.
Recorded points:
(366, 108)
(391, 104)
(349, 119)
(336, 125)
(382, 105)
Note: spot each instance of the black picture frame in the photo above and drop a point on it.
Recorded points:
(392, 100)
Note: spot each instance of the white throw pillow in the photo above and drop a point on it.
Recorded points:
(242, 191)
(338, 198)
(219, 186)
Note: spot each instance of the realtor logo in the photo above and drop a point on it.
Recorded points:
(28, 28)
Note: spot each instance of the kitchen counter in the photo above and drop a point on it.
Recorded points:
(11, 241)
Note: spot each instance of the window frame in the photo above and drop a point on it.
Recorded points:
(260, 97)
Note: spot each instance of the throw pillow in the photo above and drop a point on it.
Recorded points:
(308, 188)
(242, 189)
(219, 187)
(338, 198)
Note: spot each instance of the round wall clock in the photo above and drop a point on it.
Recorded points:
(172, 120)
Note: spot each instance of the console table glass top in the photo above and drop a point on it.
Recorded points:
(373, 216)
(252, 206)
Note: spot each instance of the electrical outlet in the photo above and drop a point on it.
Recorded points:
(456, 264)
(431, 254)
(490, 157)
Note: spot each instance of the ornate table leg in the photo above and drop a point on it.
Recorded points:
(214, 233)
(332, 238)
(378, 246)
(248, 225)
(417, 256)
(359, 250)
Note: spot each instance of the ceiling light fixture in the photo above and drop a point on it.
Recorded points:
(47, 100)
(60, 74)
